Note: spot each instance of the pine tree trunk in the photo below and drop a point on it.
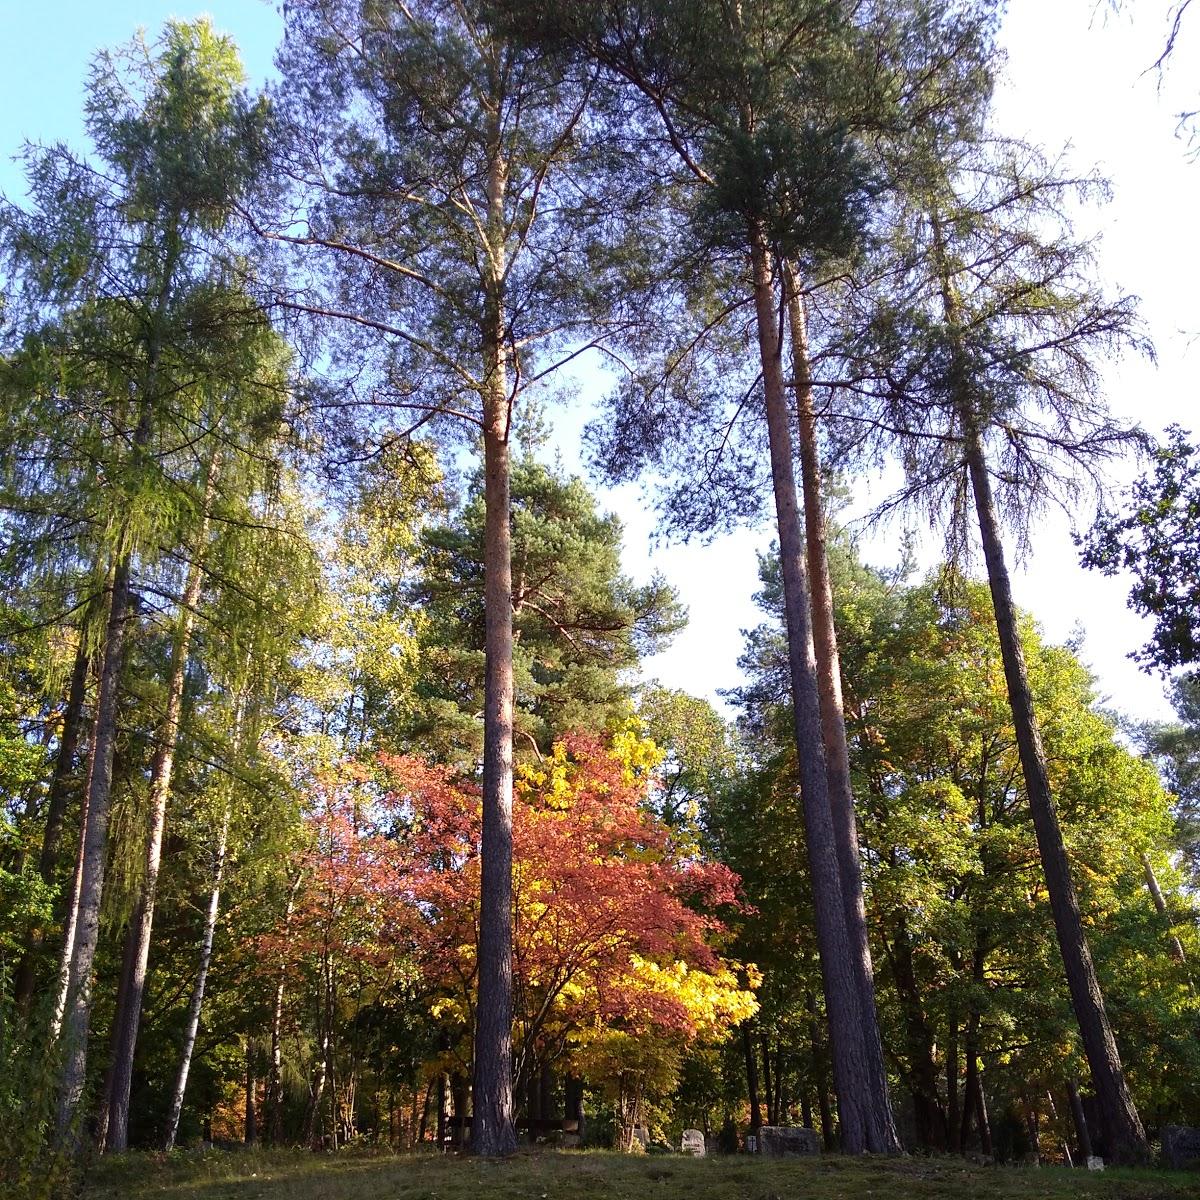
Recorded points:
(56, 806)
(492, 1129)
(1123, 1128)
(881, 1126)
(129, 1011)
(851, 1073)
(194, 1006)
(95, 842)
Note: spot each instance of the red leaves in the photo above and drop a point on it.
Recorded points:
(392, 869)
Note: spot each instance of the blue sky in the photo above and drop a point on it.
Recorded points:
(1073, 76)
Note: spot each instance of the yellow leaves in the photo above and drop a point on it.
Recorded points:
(549, 780)
(710, 1001)
(639, 755)
(451, 1010)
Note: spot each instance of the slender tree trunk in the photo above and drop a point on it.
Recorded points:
(95, 843)
(1123, 1127)
(250, 1135)
(971, 1042)
(492, 1128)
(1125, 1135)
(1160, 906)
(929, 1116)
(129, 1011)
(56, 806)
(421, 1129)
(194, 1006)
(882, 1127)
(751, 1078)
(781, 1116)
(1033, 1124)
(71, 921)
(818, 1069)
(860, 1122)
(273, 1102)
(462, 1119)
(952, 1109)
(1082, 1135)
(985, 1124)
(768, 1089)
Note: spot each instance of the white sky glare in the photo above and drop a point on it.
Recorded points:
(1076, 74)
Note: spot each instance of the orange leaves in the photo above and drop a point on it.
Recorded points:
(613, 922)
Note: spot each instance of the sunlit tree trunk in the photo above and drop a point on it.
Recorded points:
(1160, 906)
(77, 1014)
(192, 1024)
(492, 1128)
(851, 1073)
(273, 1102)
(833, 721)
(129, 1010)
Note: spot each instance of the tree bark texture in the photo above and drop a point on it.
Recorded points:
(492, 1129)
(833, 722)
(861, 1125)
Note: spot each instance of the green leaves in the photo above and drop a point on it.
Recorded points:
(1155, 535)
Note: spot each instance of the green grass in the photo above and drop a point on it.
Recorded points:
(297, 1175)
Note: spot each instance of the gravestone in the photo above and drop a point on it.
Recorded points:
(693, 1143)
(1094, 1163)
(1181, 1147)
(751, 1144)
(641, 1133)
(778, 1141)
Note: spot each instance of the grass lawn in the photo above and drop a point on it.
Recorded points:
(572, 1175)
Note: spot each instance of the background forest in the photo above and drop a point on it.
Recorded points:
(336, 807)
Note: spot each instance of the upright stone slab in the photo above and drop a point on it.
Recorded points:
(1181, 1147)
(693, 1143)
(779, 1141)
(1095, 1163)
